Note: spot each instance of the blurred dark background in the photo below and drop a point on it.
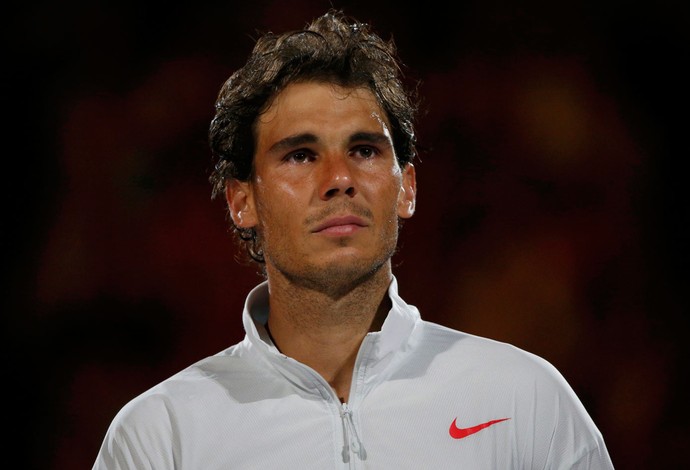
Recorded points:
(552, 211)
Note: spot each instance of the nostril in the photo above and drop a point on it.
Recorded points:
(349, 191)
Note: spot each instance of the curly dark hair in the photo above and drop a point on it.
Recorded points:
(333, 49)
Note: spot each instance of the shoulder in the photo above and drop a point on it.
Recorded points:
(201, 381)
(472, 348)
(145, 433)
(486, 363)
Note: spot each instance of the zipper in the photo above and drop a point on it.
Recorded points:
(351, 441)
(350, 436)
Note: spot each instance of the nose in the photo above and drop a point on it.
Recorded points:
(337, 178)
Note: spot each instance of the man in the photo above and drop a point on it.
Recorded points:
(315, 143)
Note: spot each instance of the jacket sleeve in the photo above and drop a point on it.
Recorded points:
(576, 443)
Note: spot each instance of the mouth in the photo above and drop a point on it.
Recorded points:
(340, 226)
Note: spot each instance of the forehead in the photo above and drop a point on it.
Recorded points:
(324, 106)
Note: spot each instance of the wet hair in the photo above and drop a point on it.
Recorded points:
(331, 49)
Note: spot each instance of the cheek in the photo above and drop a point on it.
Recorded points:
(387, 190)
(278, 203)
(282, 187)
(290, 191)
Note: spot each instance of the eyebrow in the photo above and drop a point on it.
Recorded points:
(307, 138)
(293, 141)
(373, 137)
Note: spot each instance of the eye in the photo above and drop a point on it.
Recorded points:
(365, 151)
(299, 156)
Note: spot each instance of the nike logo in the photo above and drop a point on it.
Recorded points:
(459, 433)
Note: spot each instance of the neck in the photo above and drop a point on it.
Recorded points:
(323, 330)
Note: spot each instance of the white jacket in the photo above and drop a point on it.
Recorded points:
(423, 396)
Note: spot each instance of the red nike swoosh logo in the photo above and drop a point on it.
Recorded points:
(459, 433)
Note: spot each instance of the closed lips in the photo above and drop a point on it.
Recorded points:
(338, 221)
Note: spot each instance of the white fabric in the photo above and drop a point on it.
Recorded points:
(250, 407)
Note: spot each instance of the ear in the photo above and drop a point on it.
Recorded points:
(240, 198)
(407, 198)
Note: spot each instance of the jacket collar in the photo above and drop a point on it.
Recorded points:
(394, 334)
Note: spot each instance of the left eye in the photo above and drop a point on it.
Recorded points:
(365, 151)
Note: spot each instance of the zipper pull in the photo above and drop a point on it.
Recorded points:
(348, 423)
(346, 439)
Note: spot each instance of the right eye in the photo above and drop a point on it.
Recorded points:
(299, 156)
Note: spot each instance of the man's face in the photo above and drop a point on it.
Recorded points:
(327, 190)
